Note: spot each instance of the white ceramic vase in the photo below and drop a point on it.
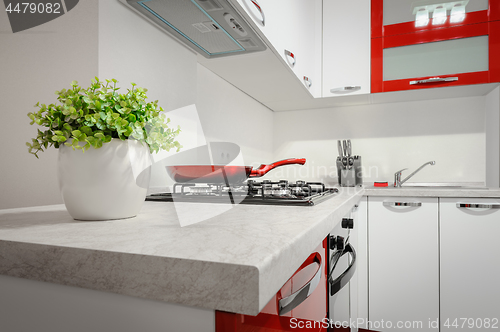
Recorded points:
(106, 183)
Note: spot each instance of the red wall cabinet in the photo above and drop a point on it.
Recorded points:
(407, 57)
(308, 313)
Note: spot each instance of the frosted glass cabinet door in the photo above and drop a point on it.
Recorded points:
(447, 57)
(470, 264)
(407, 56)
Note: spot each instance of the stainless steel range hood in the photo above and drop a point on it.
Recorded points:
(212, 28)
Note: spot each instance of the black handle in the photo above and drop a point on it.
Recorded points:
(342, 280)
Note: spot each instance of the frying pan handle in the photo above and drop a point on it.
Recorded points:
(263, 169)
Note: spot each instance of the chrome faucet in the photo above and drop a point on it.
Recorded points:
(397, 175)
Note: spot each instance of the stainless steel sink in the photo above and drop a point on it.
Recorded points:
(438, 186)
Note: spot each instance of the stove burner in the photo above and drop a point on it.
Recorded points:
(280, 192)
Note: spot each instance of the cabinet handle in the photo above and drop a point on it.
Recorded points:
(293, 300)
(412, 204)
(435, 80)
(479, 205)
(346, 89)
(290, 57)
(337, 284)
(307, 81)
(257, 15)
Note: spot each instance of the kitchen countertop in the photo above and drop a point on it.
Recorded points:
(235, 261)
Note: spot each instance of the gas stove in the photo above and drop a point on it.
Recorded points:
(266, 192)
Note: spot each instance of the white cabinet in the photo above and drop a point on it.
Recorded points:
(309, 33)
(346, 47)
(281, 27)
(360, 292)
(293, 31)
(359, 282)
(403, 262)
(470, 265)
(29, 305)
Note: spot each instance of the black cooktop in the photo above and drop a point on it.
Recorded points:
(266, 192)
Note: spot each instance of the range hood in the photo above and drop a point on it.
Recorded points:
(213, 28)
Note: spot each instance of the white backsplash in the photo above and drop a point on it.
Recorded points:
(388, 137)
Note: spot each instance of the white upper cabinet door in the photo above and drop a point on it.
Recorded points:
(309, 34)
(280, 21)
(403, 262)
(470, 264)
(346, 47)
(292, 29)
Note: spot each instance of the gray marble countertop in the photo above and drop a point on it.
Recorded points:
(235, 261)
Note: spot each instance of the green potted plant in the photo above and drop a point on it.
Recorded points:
(104, 139)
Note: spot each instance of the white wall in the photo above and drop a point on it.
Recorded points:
(108, 40)
(35, 63)
(492, 123)
(227, 114)
(133, 50)
(389, 137)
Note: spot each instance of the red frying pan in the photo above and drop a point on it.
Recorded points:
(223, 174)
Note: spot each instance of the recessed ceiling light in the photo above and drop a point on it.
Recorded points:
(439, 15)
(438, 9)
(422, 18)
(457, 13)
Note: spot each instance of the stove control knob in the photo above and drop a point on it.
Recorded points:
(348, 223)
(283, 183)
(300, 183)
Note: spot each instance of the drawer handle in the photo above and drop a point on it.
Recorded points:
(479, 205)
(346, 89)
(292, 301)
(412, 204)
(256, 11)
(337, 284)
(435, 80)
(290, 57)
(307, 81)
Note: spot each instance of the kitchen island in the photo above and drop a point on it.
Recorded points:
(235, 261)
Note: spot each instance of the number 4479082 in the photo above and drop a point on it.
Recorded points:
(32, 8)
(471, 323)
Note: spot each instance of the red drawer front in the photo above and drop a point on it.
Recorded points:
(310, 315)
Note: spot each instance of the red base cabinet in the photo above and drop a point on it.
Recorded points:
(310, 314)
(405, 56)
